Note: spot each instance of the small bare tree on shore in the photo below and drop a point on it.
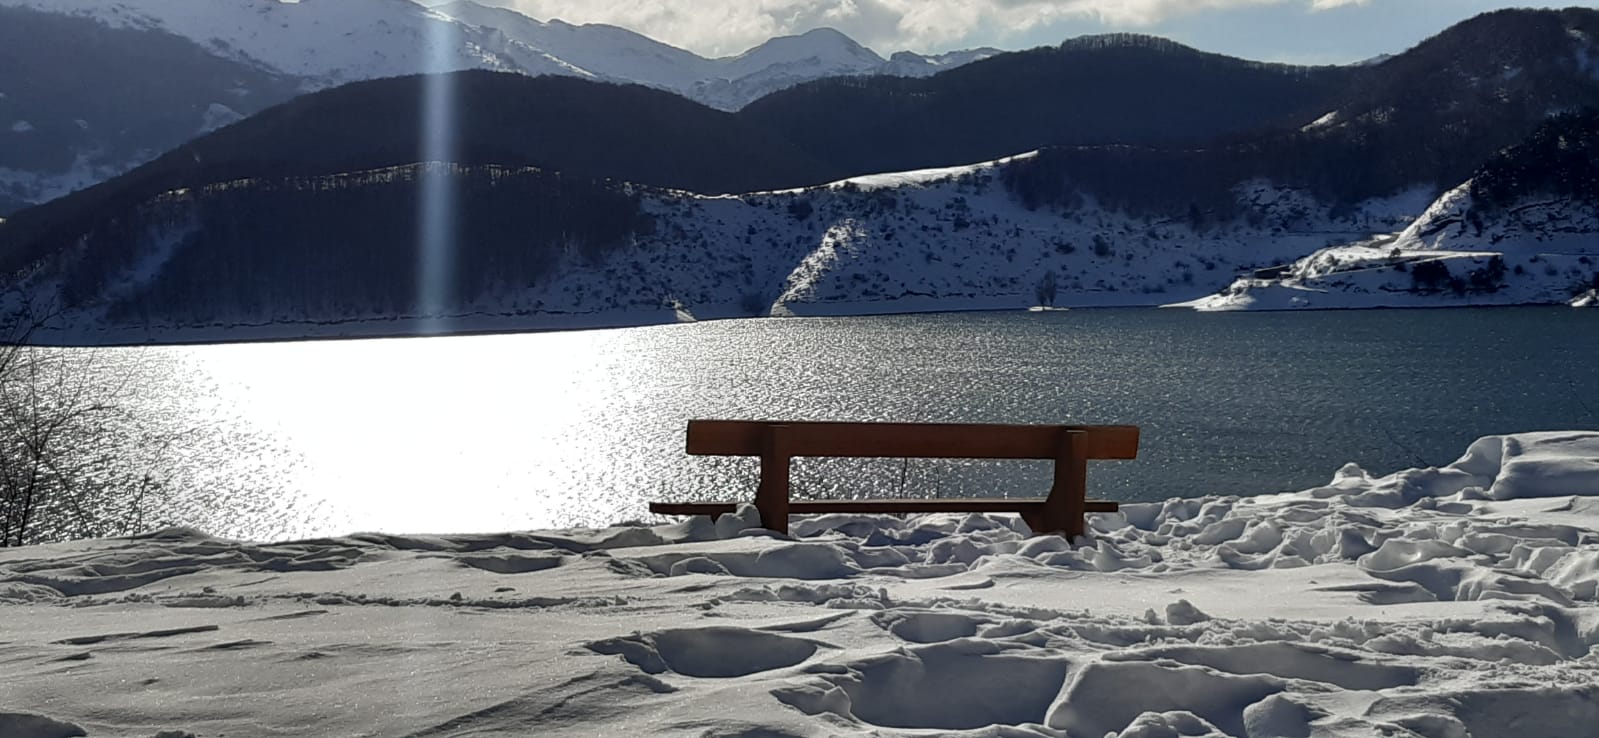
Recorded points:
(80, 457)
(56, 463)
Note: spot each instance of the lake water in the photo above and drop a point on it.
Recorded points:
(507, 432)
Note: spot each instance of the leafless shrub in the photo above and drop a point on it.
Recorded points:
(86, 453)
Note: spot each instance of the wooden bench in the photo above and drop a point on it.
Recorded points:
(1070, 446)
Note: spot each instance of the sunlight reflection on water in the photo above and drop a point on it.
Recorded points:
(486, 433)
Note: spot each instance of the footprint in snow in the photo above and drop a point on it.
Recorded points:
(714, 653)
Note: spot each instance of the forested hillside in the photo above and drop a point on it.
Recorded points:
(1097, 90)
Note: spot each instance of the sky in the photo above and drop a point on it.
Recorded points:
(1300, 31)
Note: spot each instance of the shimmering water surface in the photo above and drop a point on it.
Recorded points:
(582, 428)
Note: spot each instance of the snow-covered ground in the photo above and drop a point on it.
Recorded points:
(1443, 603)
(1546, 250)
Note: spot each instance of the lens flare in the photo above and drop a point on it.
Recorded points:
(436, 207)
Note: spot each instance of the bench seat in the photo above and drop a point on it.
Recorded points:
(935, 505)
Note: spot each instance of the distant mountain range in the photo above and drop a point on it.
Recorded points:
(324, 43)
(1161, 175)
(91, 88)
(611, 54)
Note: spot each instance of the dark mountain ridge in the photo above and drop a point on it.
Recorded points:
(1560, 159)
(151, 91)
(1428, 117)
(597, 130)
(512, 225)
(1096, 90)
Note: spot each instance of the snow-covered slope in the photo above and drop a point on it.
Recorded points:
(1432, 603)
(1540, 250)
(324, 42)
(945, 239)
(593, 50)
(616, 54)
(30, 186)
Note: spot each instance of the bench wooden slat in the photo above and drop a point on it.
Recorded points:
(909, 440)
(934, 505)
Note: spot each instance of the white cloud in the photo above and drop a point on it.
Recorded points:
(722, 27)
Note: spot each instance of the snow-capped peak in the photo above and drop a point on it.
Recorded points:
(328, 42)
(603, 51)
(825, 46)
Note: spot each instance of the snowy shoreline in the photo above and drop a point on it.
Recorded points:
(457, 326)
(952, 239)
(1444, 602)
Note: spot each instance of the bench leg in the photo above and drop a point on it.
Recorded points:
(771, 497)
(1068, 497)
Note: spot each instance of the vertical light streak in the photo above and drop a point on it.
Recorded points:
(437, 214)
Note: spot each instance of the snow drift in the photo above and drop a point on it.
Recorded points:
(1443, 602)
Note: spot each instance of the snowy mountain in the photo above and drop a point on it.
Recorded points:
(613, 54)
(572, 218)
(320, 42)
(326, 43)
(596, 51)
(69, 120)
(784, 62)
(88, 128)
(166, 70)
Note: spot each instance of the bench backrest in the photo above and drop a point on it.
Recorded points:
(911, 440)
